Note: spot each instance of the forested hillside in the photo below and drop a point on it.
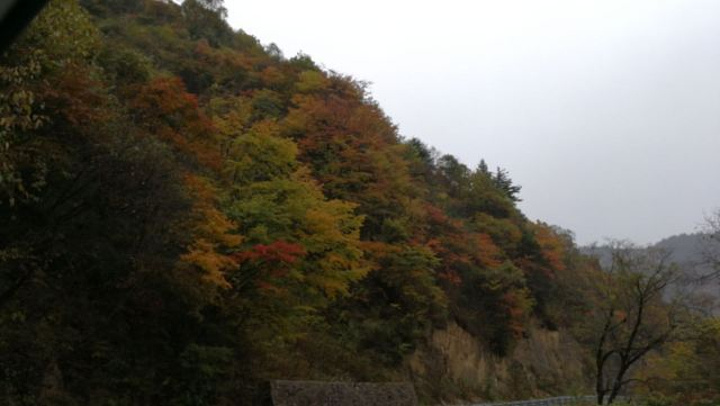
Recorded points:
(186, 212)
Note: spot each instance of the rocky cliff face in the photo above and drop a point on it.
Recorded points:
(455, 366)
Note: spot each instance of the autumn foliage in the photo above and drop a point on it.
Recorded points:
(186, 212)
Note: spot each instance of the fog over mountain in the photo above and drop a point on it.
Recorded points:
(691, 253)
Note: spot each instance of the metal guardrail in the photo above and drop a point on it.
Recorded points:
(558, 401)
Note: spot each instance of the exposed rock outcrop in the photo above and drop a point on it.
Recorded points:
(456, 366)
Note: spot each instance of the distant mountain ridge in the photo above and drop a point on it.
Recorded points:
(684, 249)
(687, 250)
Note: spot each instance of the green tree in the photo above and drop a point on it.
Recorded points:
(206, 20)
(59, 38)
(632, 319)
(686, 371)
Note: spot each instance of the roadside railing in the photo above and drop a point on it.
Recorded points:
(557, 401)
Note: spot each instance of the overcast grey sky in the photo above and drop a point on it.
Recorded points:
(607, 112)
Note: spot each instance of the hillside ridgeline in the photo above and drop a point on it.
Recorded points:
(187, 213)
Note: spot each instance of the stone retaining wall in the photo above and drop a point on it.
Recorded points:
(311, 393)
